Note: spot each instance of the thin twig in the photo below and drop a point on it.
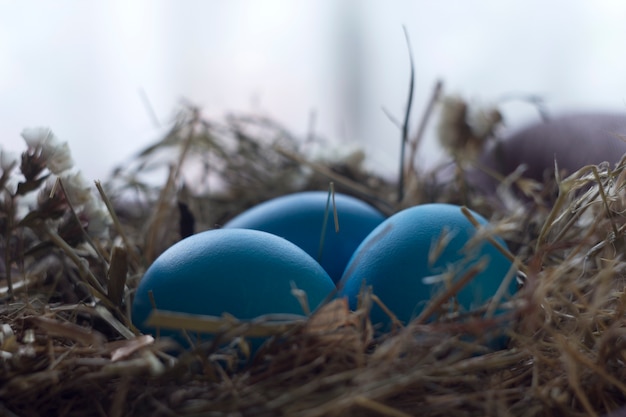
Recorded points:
(499, 246)
(434, 98)
(7, 238)
(118, 226)
(407, 115)
(329, 200)
(380, 408)
(596, 175)
(156, 223)
(86, 236)
(450, 292)
(149, 108)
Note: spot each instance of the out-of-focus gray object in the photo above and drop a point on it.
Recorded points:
(574, 140)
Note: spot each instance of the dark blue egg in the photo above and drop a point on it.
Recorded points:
(299, 218)
(394, 260)
(246, 273)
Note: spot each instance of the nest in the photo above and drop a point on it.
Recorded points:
(68, 347)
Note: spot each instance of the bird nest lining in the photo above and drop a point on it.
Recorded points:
(73, 257)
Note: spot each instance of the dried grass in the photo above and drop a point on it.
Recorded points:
(68, 348)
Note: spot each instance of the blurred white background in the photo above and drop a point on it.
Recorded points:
(78, 67)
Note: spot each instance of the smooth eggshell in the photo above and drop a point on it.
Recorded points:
(299, 218)
(246, 273)
(393, 259)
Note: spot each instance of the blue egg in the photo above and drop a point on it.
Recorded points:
(394, 260)
(299, 218)
(246, 273)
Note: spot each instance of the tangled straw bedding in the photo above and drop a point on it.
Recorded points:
(68, 348)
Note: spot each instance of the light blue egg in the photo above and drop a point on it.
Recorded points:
(246, 273)
(394, 260)
(299, 218)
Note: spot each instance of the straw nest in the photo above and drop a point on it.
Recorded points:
(68, 347)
